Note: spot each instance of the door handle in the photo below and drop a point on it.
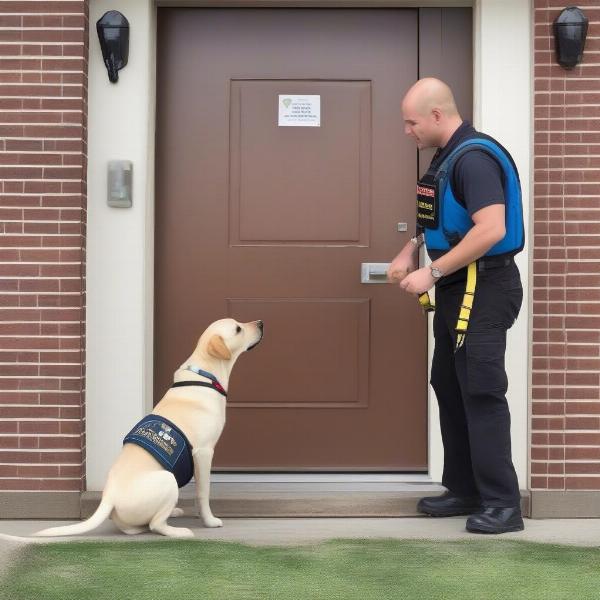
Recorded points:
(374, 272)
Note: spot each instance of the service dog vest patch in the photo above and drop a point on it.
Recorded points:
(427, 203)
(167, 444)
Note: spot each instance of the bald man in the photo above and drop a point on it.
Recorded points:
(469, 214)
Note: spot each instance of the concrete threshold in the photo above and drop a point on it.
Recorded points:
(306, 499)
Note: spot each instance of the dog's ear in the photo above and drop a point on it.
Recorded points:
(217, 348)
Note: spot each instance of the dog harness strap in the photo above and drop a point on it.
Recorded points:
(166, 443)
(217, 386)
(212, 385)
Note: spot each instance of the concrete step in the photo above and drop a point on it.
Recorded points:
(270, 500)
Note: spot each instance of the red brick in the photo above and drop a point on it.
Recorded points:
(582, 408)
(573, 423)
(583, 468)
(556, 483)
(547, 408)
(583, 483)
(592, 453)
(556, 468)
(539, 483)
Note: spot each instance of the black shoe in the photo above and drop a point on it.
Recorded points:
(496, 520)
(448, 505)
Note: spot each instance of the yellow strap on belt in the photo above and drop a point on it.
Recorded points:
(425, 302)
(467, 304)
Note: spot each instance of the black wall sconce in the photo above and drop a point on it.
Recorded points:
(570, 31)
(113, 33)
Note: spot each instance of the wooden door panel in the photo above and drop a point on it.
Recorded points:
(256, 220)
(319, 175)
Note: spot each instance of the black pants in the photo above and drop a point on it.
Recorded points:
(471, 385)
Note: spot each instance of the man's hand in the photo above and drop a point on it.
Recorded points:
(402, 265)
(418, 282)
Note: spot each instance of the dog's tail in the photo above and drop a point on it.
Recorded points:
(102, 513)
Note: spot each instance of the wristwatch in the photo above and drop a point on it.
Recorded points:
(436, 273)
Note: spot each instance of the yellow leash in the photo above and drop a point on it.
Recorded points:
(462, 322)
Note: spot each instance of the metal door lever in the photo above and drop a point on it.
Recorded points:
(374, 272)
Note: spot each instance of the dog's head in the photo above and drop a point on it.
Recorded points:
(226, 339)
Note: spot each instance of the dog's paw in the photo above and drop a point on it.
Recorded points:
(180, 532)
(177, 512)
(212, 521)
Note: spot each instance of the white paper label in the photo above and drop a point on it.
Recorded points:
(299, 111)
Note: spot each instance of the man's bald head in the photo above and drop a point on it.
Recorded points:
(429, 94)
(430, 113)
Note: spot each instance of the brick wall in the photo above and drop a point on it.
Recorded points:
(565, 451)
(43, 92)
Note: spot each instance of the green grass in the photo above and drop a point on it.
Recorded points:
(345, 569)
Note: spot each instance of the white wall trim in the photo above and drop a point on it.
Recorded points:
(120, 251)
(503, 108)
(119, 242)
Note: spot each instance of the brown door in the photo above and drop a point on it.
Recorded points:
(257, 217)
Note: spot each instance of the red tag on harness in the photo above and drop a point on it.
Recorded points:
(427, 204)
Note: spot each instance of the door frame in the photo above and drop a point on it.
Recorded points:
(120, 252)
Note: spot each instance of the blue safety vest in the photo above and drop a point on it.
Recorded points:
(446, 221)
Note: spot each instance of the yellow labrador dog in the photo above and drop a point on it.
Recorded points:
(141, 491)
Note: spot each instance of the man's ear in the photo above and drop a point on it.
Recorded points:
(216, 347)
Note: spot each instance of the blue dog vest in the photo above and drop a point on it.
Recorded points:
(445, 219)
(166, 443)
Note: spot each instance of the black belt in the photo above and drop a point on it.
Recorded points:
(494, 262)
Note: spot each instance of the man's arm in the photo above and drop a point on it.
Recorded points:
(487, 231)
(478, 183)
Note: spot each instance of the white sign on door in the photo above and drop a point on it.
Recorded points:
(299, 111)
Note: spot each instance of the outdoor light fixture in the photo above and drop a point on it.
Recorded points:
(570, 30)
(113, 33)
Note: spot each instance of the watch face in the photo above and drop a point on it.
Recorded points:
(436, 272)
